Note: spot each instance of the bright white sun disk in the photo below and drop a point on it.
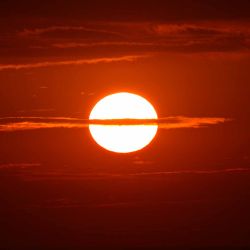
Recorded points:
(123, 138)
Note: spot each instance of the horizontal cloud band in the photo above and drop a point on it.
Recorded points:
(31, 123)
(126, 58)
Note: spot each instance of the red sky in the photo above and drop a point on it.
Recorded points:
(188, 188)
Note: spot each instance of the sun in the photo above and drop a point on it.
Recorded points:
(123, 138)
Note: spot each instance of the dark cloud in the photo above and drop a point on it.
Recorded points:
(31, 30)
(32, 123)
(115, 39)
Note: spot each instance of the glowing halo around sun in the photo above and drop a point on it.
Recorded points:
(123, 138)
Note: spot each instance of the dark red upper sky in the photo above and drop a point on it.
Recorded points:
(188, 188)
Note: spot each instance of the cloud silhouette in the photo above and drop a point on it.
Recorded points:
(103, 41)
(33, 123)
(181, 37)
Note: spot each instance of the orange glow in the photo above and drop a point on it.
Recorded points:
(123, 138)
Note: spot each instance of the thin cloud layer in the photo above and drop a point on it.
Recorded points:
(104, 40)
(51, 29)
(32, 123)
(129, 58)
(59, 175)
(19, 165)
(189, 37)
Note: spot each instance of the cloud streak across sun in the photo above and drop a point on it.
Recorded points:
(10, 124)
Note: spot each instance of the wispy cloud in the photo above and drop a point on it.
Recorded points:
(104, 39)
(53, 29)
(177, 172)
(188, 37)
(201, 28)
(32, 123)
(192, 122)
(61, 175)
(66, 45)
(168, 122)
(20, 126)
(128, 58)
(19, 165)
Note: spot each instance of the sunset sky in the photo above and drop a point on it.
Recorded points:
(190, 187)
